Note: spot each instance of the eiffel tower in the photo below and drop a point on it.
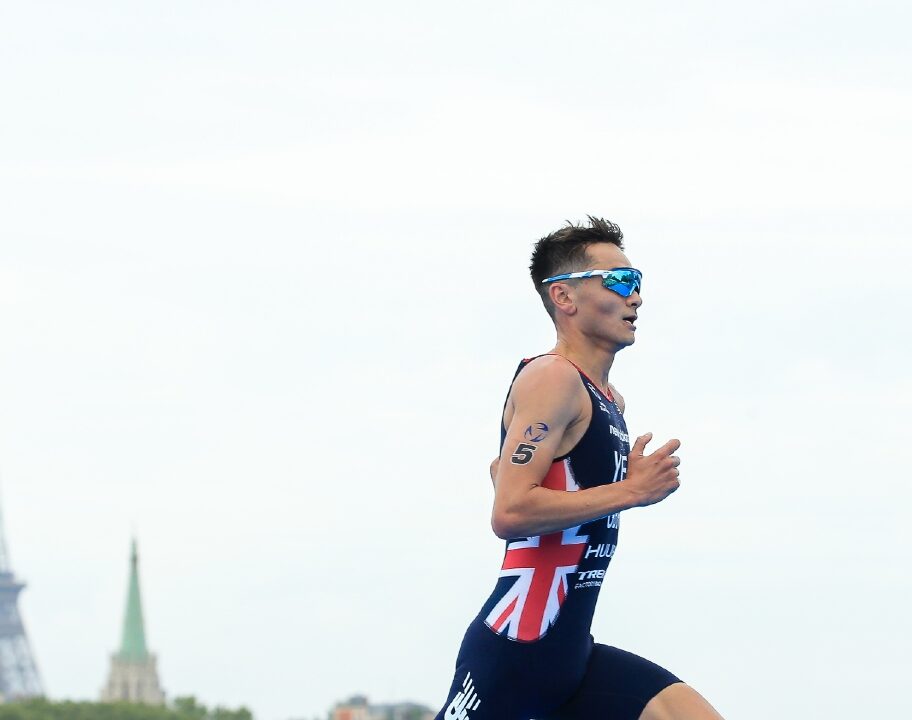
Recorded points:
(18, 672)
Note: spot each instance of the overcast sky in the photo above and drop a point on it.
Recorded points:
(263, 287)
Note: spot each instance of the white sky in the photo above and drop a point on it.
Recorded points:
(263, 286)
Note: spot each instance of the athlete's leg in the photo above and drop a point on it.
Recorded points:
(618, 685)
(679, 702)
(481, 697)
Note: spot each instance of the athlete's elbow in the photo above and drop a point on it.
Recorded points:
(500, 524)
(506, 524)
(502, 529)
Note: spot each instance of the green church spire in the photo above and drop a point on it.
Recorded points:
(133, 645)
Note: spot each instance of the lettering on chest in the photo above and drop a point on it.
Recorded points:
(620, 467)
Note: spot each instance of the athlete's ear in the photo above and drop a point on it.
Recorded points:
(561, 296)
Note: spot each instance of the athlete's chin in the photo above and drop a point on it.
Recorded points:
(618, 341)
(625, 342)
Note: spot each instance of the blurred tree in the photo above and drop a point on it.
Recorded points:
(187, 708)
(221, 713)
(183, 708)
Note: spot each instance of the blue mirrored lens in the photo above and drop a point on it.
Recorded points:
(623, 283)
(620, 289)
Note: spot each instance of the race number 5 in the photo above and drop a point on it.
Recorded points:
(523, 454)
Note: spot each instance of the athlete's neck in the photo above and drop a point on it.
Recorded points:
(595, 362)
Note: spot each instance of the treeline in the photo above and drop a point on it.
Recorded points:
(182, 708)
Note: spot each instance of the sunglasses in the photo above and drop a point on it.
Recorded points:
(623, 281)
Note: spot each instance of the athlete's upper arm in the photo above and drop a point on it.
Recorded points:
(546, 402)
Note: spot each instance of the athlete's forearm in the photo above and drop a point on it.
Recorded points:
(542, 510)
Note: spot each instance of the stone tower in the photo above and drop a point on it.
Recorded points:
(133, 676)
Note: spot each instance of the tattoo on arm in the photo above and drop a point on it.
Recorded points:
(536, 432)
(523, 454)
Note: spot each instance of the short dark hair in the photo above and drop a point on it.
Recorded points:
(564, 251)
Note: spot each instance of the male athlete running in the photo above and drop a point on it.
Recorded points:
(565, 472)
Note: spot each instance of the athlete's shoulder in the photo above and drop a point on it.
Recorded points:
(547, 375)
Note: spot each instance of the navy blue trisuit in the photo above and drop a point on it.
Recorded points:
(528, 654)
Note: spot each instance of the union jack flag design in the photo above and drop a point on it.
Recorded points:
(541, 565)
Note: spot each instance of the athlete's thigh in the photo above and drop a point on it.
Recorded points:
(617, 686)
(479, 696)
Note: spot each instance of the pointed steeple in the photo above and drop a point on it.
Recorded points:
(133, 642)
(133, 676)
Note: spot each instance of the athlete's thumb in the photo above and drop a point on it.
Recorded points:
(639, 446)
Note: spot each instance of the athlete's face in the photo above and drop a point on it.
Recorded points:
(602, 313)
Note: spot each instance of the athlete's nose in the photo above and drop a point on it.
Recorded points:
(635, 299)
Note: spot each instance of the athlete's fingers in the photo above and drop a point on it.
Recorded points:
(675, 460)
(668, 448)
(639, 446)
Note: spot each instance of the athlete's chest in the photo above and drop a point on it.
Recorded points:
(600, 456)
